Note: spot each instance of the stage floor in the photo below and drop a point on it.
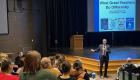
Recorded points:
(117, 53)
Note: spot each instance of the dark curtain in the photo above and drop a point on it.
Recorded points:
(62, 19)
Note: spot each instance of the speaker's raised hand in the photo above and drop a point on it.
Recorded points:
(92, 50)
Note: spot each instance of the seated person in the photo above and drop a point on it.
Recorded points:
(59, 58)
(78, 71)
(46, 64)
(3, 57)
(66, 67)
(52, 58)
(31, 70)
(6, 69)
(59, 62)
(129, 67)
(20, 67)
(56, 61)
(18, 58)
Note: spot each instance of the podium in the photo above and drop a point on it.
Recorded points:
(76, 42)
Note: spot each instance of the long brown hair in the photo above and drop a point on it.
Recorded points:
(32, 62)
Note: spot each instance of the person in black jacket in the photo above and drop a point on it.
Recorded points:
(104, 50)
(66, 67)
(128, 66)
(18, 58)
(18, 62)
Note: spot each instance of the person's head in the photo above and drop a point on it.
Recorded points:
(52, 58)
(46, 63)
(104, 41)
(20, 54)
(6, 66)
(62, 57)
(77, 65)
(57, 56)
(128, 60)
(3, 57)
(66, 67)
(32, 61)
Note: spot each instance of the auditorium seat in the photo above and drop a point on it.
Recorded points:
(135, 76)
(127, 75)
(121, 75)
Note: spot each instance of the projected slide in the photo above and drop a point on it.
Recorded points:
(3, 17)
(114, 15)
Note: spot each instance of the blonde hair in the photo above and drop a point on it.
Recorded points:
(3, 57)
(45, 62)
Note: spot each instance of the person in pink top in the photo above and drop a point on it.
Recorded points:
(6, 69)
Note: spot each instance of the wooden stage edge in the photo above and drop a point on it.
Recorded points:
(92, 65)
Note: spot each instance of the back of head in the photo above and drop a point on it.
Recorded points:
(77, 65)
(32, 61)
(3, 57)
(45, 63)
(129, 60)
(52, 58)
(66, 67)
(5, 66)
(57, 56)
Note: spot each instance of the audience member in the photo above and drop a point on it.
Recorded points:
(78, 71)
(31, 70)
(66, 67)
(59, 62)
(2, 58)
(46, 64)
(20, 67)
(52, 58)
(18, 58)
(6, 69)
(129, 67)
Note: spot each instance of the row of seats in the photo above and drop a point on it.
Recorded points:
(125, 75)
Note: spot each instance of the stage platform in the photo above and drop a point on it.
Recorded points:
(118, 57)
(117, 53)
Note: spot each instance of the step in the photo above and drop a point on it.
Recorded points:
(93, 65)
(110, 71)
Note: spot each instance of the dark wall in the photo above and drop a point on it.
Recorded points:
(114, 38)
(24, 26)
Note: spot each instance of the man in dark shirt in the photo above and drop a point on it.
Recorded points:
(104, 50)
(128, 66)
